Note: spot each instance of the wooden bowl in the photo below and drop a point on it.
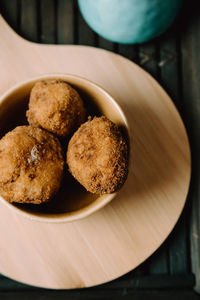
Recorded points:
(72, 202)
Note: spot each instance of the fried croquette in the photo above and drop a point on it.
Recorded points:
(55, 106)
(97, 156)
(31, 165)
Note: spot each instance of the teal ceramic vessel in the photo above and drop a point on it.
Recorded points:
(129, 21)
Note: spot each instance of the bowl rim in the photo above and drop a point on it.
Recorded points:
(98, 203)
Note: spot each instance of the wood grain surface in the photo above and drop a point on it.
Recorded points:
(118, 238)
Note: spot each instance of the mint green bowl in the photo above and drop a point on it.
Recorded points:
(129, 21)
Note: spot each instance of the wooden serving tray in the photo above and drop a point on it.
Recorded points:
(120, 236)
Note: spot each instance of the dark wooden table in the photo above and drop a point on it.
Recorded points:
(173, 272)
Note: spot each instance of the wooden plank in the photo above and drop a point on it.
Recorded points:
(158, 264)
(28, 20)
(141, 270)
(190, 42)
(129, 51)
(170, 80)
(178, 250)
(111, 295)
(85, 35)
(7, 284)
(148, 58)
(105, 44)
(10, 11)
(65, 27)
(137, 282)
(154, 282)
(168, 65)
(48, 21)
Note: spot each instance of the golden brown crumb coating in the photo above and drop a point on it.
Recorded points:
(55, 106)
(31, 165)
(97, 156)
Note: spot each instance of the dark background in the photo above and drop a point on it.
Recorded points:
(173, 272)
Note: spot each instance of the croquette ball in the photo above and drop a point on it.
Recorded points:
(97, 156)
(31, 165)
(55, 106)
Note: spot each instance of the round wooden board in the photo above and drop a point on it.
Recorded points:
(120, 236)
